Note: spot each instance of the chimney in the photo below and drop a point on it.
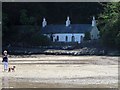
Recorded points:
(44, 23)
(67, 21)
(93, 21)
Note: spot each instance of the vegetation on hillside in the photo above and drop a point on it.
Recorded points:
(109, 23)
(32, 14)
(56, 13)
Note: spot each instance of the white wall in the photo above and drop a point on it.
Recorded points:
(62, 37)
(94, 33)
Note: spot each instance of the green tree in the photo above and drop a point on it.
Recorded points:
(40, 40)
(109, 24)
(24, 17)
(118, 40)
(4, 24)
(87, 36)
(31, 20)
(5, 28)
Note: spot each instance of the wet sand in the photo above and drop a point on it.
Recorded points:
(49, 71)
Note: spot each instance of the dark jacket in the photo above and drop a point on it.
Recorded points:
(5, 58)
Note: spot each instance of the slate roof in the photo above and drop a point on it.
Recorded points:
(73, 28)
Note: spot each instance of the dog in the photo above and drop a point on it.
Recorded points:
(11, 69)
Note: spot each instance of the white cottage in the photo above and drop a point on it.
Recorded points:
(69, 32)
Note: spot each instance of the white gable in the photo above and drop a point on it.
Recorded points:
(94, 33)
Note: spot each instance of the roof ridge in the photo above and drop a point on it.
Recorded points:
(65, 25)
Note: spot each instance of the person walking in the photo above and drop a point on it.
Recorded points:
(5, 60)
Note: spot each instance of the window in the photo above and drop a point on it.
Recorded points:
(51, 37)
(66, 38)
(73, 39)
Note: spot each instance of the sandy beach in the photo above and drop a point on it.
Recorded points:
(50, 71)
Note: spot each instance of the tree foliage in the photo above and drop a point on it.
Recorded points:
(25, 19)
(87, 36)
(54, 12)
(109, 22)
(8, 35)
(4, 24)
(32, 14)
(39, 40)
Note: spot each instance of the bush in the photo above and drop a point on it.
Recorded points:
(40, 40)
(118, 40)
(87, 36)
